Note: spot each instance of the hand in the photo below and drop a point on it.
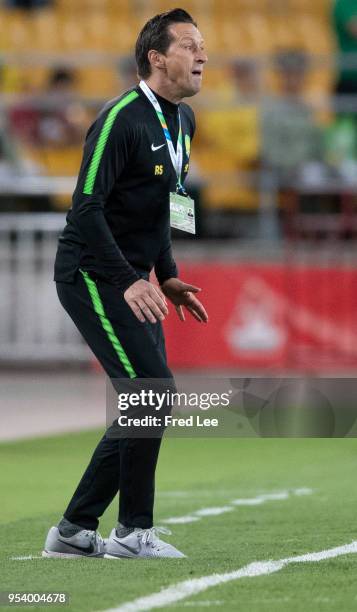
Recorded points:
(181, 294)
(146, 301)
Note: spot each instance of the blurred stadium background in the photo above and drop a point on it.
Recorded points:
(274, 170)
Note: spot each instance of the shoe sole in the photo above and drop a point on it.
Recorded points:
(108, 556)
(49, 554)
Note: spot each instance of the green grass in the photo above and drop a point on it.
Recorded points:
(38, 476)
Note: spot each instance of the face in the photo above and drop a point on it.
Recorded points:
(184, 60)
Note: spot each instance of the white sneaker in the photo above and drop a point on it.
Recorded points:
(85, 543)
(140, 543)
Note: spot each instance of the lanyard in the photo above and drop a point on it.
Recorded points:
(176, 156)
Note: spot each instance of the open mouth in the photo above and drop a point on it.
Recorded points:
(197, 72)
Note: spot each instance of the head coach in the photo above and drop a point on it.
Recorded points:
(130, 190)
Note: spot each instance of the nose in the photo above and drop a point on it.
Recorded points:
(202, 56)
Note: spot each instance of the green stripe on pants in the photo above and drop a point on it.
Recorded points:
(107, 326)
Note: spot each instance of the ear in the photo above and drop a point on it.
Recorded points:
(156, 59)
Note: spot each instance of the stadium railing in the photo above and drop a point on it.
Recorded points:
(33, 325)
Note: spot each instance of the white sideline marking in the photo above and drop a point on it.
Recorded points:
(187, 588)
(302, 491)
(218, 493)
(214, 511)
(26, 558)
(245, 501)
(200, 604)
(177, 520)
(254, 501)
(275, 496)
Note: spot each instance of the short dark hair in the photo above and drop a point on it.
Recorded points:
(155, 35)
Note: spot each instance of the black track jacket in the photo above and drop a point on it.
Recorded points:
(119, 223)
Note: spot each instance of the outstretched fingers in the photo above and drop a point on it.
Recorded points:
(196, 309)
(180, 312)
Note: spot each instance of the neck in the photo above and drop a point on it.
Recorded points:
(163, 89)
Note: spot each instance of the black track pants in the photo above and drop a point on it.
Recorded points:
(125, 348)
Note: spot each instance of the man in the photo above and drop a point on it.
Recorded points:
(291, 141)
(117, 231)
(290, 136)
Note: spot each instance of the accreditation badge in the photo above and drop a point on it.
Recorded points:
(182, 213)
